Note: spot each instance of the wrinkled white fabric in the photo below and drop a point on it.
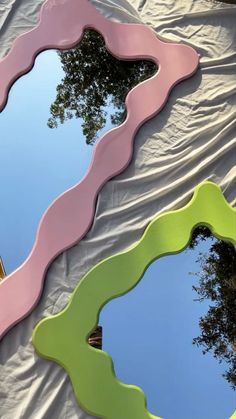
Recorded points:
(192, 139)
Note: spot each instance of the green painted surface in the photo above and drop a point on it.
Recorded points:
(63, 338)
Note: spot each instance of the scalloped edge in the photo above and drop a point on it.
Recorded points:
(63, 338)
(61, 26)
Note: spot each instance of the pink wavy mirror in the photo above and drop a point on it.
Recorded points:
(61, 26)
(54, 115)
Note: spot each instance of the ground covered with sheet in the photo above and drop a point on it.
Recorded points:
(192, 139)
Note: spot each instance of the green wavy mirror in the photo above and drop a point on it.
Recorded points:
(63, 338)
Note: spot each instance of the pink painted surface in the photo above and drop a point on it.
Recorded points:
(69, 217)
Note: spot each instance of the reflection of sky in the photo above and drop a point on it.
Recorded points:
(148, 332)
(36, 163)
(158, 318)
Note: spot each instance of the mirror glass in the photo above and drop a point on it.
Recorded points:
(155, 334)
(53, 116)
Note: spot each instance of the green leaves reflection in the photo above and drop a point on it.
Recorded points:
(95, 85)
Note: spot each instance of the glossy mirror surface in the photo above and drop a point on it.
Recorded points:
(67, 101)
(149, 333)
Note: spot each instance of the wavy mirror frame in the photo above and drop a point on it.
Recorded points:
(69, 217)
(63, 337)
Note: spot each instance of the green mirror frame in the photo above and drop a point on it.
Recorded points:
(63, 337)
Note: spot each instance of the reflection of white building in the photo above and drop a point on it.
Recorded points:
(2, 270)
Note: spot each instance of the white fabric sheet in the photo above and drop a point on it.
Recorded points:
(192, 139)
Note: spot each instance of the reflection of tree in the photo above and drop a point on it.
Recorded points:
(217, 283)
(94, 79)
(95, 339)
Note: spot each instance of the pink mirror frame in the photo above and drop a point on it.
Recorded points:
(69, 217)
